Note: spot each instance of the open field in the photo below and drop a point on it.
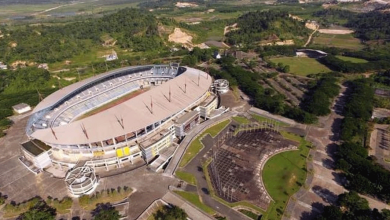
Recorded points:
(302, 65)
(196, 145)
(352, 59)
(346, 41)
(283, 175)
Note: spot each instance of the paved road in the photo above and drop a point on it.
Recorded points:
(194, 167)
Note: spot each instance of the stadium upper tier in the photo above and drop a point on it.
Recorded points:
(53, 120)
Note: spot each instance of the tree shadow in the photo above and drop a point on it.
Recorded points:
(325, 194)
(328, 163)
(339, 178)
(316, 210)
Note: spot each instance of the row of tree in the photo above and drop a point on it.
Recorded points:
(339, 65)
(358, 111)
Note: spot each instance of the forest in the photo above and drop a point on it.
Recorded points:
(266, 25)
(134, 29)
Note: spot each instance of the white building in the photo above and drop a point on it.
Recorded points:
(3, 66)
(21, 108)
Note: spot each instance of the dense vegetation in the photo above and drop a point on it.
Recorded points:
(133, 29)
(351, 206)
(371, 26)
(319, 97)
(266, 25)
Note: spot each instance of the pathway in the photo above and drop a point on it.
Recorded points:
(311, 35)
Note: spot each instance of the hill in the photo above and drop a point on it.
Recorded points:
(133, 29)
(266, 25)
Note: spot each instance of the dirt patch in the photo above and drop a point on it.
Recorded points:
(180, 37)
(335, 31)
(292, 180)
(186, 5)
(229, 28)
(312, 25)
(295, 17)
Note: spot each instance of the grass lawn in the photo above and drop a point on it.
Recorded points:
(352, 59)
(261, 119)
(197, 146)
(188, 177)
(194, 199)
(283, 175)
(346, 41)
(302, 66)
(241, 120)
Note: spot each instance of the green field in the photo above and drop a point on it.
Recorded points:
(188, 177)
(194, 199)
(352, 59)
(283, 176)
(197, 146)
(346, 41)
(302, 66)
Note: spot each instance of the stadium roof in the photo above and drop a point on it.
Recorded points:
(136, 112)
(58, 95)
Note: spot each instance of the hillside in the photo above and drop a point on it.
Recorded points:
(266, 26)
(133, 29)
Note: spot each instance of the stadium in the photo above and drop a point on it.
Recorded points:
(118, 117)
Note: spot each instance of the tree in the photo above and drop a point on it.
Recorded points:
(104, 212)
(331, 213)
(41, 211)
(171, 213)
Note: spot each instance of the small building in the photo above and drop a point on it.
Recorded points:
(3, 66)
(112, 57)
(216, 55)
(208, 105)
(186, 123)
(21, 108)
(38, 153)
(152, 146)
(221, 86)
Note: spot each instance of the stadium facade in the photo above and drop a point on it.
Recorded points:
(118, 117)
